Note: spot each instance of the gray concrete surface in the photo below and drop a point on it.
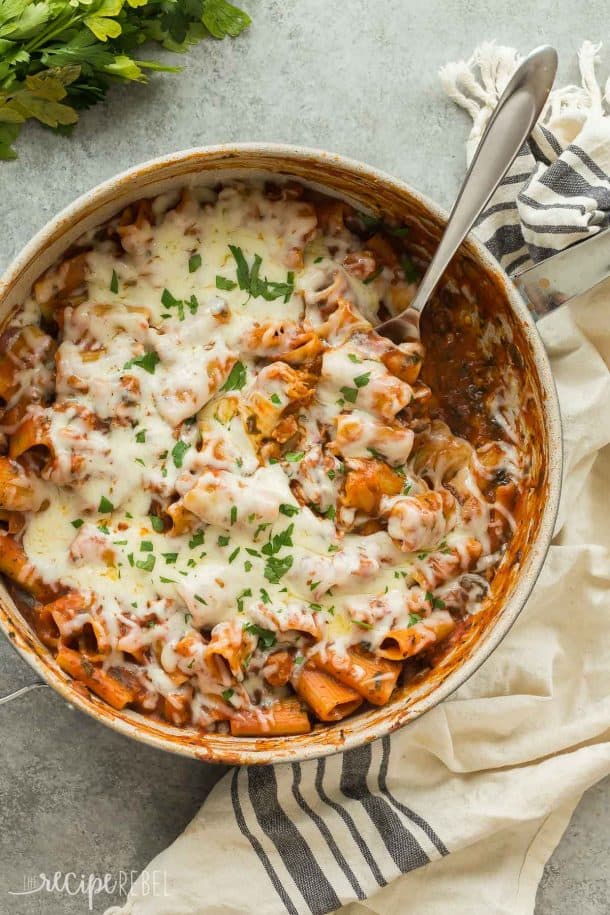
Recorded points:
(359, 77)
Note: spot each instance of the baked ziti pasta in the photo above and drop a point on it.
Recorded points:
(227, 502)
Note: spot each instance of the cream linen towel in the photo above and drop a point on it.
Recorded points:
(483, 785)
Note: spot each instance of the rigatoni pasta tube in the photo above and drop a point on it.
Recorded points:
(98, 681)
(283, 718)
(329, 699)
(373, 678)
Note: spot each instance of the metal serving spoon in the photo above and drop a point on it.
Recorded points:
(517, 111)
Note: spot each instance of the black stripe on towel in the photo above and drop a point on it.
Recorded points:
(406, 811)
(295, 853)
(537, 205)
(336, 853)
(342, 812)
(567, 182)
(588, 161)
(496, 208)
(258, 848)
(402, 845)
(548, 229)
(518, 262)
(551, 139)
(505, 240)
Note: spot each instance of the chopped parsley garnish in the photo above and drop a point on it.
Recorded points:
(289, 510)
(247, 565)
(414, 618)
(78, 522)
(148, 362)
(362, 380)
(234, 554)
(373, 275)
(318, 259)
(266, 638)
(250, 281)
(197, 539)
(178, 452)
(223, 540)
(157, 523)
(334, 548)
(120, 542)
(227, 693)
(276, 399)
(331, 474)
(330, 513)
(141, 436)
(265, 596)
(247, 592)
(194, 262)
(131, 559)
(284, 538)
(354, 358)
(223, 283)
(193, 304)
(294, 456)
(407, 489)
(167, 581)
(236, 379)
(233, 514)
(168, 299)
(437, 603)
(170, 558)
(103, 528)
(276, 568)
(105, 506)
(251, 551)
(140, 461)
(363, 625)
(146, 546)
(147, 564)
(313, 585)
(411, 272)
(114, 283)
(350, 394)
(201, 600)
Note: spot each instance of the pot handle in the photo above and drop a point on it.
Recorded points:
(565, 275)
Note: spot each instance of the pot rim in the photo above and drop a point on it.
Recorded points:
(373, 724)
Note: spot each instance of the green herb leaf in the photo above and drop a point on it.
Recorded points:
(147, 565)
(223, 283)
(276, 568)
(194, 262)
(227, 693)
(148, 362)
(266, 637)
(289, 510)
(105, 506)
(178, 452)
(350, 394)
(236, 379)
(222, 18)
(157, 523)
(412, 274)
(294, 456)
(197, 539)
(114, 283)
(78, 522)
(141, 436)
(362, 380)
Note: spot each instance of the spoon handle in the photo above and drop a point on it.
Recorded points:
(517, 111)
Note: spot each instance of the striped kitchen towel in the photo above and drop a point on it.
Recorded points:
(459, 811)
(557, 192)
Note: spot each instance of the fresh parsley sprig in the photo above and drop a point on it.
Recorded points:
(58, 57)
